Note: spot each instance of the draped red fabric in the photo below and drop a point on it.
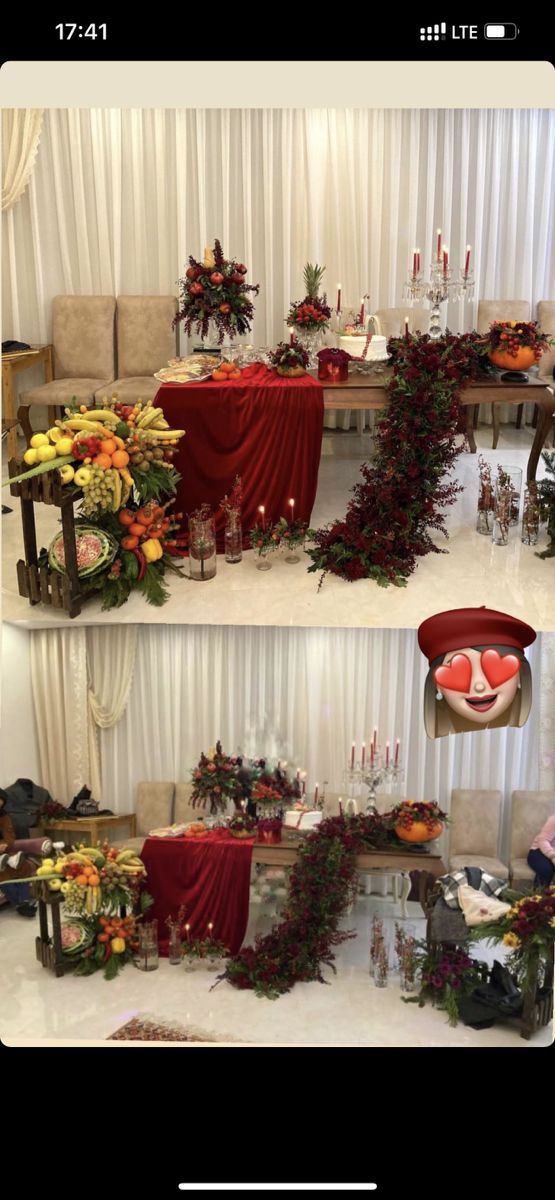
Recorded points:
(263, 427)
(210, 875)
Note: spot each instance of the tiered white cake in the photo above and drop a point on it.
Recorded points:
(354, 344)
(297, 818)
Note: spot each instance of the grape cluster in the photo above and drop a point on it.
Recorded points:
(75, 898)
(98, 492)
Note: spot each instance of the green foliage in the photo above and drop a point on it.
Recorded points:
(158, 481)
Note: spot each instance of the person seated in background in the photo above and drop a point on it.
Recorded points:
(11, 865)
(541, 856)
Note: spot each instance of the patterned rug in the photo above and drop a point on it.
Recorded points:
(146, 1027)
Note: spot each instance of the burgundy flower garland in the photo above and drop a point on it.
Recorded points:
(321, 887)
(388, 522)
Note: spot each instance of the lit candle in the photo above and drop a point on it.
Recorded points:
(352, 755)
(298, 772)
(291, 339)
(415, 262)
(279, 763)
(262, 510)
(188, 932)
(375, 738)
(445, 259)
(339, 298)
(406, 329)
(210, 928)
(316, 795)
(467, 260)
(438, 244)
(387, 754)
(363, 754)
(418, 260)
(372, 754)
(362, 311)
(304, 787)
(397, 748)
(341, 806)
(292, 507)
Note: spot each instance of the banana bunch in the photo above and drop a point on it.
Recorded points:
(128, 862)
(152, 420)
(93, 899)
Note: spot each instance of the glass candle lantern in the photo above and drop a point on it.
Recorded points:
(233, 536)
(147, 954)
(202, 547)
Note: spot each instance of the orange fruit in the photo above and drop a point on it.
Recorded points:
(107, 446)
(125, 517)
(82, 879)
(129, 543)
(236, 375)
(137, 530)
(103, 460)
(120, 458)
(94, 880)
(228, 367)
(219, 375)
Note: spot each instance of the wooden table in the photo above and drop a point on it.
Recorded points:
(370, 391)
(20, 361)
(429, 866)
(94, 827)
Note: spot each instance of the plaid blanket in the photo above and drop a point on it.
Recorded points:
(477, 878)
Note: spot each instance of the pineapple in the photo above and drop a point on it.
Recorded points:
(312, 279)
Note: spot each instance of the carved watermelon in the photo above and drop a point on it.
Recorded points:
(96, 549)
(76, 936)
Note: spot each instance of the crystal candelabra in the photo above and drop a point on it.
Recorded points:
(441, 285)
(372, 771)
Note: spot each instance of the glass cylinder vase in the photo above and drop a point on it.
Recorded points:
(233, 536)
(202, 548)
(484, 520)
(146, 958)
(531, 515)
(174, 945)
(381, 966)
(502, 514)
(515, 477)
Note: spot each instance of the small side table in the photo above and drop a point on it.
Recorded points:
(94, 827)
(20, 361)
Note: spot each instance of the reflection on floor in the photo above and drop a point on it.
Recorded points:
(352, 1011)
(473, 572)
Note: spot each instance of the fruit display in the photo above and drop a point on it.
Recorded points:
(99, 943)
(93, 880)
(225, 372)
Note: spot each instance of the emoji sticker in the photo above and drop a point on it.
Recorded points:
(479, 676)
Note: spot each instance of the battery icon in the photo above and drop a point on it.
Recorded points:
(507, 31)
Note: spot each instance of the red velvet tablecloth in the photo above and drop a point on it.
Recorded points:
(263, 427)
(210, 875)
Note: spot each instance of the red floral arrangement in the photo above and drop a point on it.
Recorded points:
(289, 354)
(273, 787)
(446, 974)
(51, 810)
(510, 336)
(388, 521)
(218, 293)
(311, 313)
(338, 358)
(215, 780)
(263, 793)
(407, 813)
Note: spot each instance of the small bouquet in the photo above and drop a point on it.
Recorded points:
(291, 533)
(215, 780)
(206, 950)
(290, 358)
(242, 826)
(446, 974)
(215, 290)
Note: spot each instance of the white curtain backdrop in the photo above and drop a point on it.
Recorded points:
(20, 139)
(302, 695)
(119, 198)
(110, 666)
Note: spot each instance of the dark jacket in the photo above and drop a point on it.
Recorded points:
(23, 801)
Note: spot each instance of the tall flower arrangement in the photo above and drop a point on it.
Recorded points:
(389, 521)
(215, 290)
(215, 780)
(528, 929)
(312, 314)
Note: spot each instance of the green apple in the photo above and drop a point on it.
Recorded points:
(67, 473)
(82, 477)
(64, 445)
(31, 457)
(39, 439)
(46, 453)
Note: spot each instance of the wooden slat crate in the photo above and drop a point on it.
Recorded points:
(41, 585)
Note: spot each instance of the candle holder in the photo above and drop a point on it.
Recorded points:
(202, 544)
(440, 287)
(378, 772)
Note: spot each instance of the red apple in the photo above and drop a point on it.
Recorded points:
(216, 278)
(225, 308)
(242, 268)
(237, 278)
(191, 273)
(196, 289)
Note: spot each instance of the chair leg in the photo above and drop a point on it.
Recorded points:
(25, 422)
(519, 412)
(535, 417)
(476, 414)
(495, 416)
(52, 415)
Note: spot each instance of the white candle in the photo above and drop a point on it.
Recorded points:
(210, 928)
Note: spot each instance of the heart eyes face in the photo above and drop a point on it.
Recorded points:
(457, 674)
(479, 685)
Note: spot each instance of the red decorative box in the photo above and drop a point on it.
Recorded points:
(268, 833)
(331, 372)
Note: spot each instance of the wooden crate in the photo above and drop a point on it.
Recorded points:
(49, 948)
(41, 585)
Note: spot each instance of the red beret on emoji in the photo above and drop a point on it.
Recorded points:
(461, 627)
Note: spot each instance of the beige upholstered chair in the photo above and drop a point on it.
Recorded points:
(84, 357)
(529, 813)
(145, 342)
(474, 828)
(183, 809)
(390, 322)
(546, 322)
(154, 810)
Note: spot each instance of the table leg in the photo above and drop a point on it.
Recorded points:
(8, 408)
(133, 825)
(93, 830)
(405, 889)
(470, 428)
(545, 417)
(496, 421)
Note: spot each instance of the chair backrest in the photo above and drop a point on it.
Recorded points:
(501, 310)
(183, 810)
(146, 339)
(154, 806)
(529, 813)
(391, 321)
(474, 826)
(83, 337)
(546, 322)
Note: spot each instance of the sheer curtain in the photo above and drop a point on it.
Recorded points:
(119, 198)
(302, 695)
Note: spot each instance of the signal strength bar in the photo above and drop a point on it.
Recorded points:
(432, 33)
